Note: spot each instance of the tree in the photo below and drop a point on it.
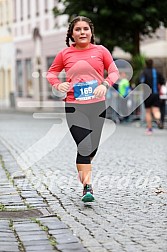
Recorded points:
(119, 22)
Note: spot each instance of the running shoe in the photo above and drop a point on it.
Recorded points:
(88, 194)
(149, 131)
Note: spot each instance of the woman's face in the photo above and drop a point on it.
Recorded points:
(82, 34)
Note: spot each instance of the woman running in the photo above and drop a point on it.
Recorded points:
(85, 88)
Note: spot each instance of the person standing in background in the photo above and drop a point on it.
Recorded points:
(123, 89)
(154, 79)
(163, 98)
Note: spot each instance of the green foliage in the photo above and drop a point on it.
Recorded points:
(138, 63)
(119, 22)
(2, 207)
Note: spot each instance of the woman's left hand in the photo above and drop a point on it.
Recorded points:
(100, 91)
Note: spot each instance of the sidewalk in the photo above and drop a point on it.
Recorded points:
(26, 221)
(40, 198)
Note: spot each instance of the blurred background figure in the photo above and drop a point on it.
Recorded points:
(123, 89)
(124, 85)
(163, 98)
(154, 79)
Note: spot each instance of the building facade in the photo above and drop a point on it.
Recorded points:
(30, 37)
(37, 37)
(7, 83)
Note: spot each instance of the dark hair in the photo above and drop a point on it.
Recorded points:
(149, 63)
(71, 26)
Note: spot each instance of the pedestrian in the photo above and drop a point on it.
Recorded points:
(123, 89)
(154, 79)
(85, 87)
(163, 99)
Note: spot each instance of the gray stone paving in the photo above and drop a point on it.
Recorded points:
(130, 168)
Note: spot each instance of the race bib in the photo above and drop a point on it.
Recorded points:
(84, 90)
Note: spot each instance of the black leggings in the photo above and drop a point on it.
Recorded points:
(85, 122)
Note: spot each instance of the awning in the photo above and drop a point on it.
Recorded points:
(157, 49)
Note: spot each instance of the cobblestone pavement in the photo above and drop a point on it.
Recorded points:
(40, 195)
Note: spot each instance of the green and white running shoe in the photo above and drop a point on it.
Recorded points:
(88, 194)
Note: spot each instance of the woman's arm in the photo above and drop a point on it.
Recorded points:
(109, 65)
(54, 70)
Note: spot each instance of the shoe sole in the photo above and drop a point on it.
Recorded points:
(88, 197)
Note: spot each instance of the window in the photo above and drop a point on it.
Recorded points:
(3, 80)
(37, 8)
(15, 31)
(19, 77)
(29, 28)
(28, 78)
(28, 9)
(21, 10)
(15, 10)
(46, 24)
(7, 12)
(22, 30)
(49, 87)
(46, 5)
(9, 79)
(1, 13)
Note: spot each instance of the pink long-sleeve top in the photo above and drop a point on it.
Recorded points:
(83, 66)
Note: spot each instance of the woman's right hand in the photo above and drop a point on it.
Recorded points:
(63, 87)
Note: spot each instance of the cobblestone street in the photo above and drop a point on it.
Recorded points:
(40, 195)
